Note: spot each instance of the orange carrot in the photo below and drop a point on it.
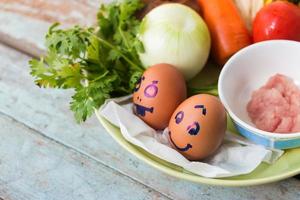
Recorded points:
(228, 30)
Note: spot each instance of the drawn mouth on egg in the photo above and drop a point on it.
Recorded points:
(142, 110)
(187, 147)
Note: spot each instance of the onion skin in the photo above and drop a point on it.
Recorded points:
(177, 35)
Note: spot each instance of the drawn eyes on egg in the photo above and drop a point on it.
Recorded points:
(179, 117)
(138, 84)
(151, 90)
(194, 128)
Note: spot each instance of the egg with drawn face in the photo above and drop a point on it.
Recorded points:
(197, 127)
(157, 94)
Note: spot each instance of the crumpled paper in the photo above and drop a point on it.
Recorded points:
(236, 156)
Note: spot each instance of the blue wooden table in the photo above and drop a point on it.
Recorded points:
(45, 154)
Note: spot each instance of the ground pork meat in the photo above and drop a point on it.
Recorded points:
(275, 107)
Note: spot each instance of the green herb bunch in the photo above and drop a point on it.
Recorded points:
(98, 62)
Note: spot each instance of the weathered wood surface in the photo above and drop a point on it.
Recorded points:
(34, 167)
(23, 23)
(46, 112)
(67, 12)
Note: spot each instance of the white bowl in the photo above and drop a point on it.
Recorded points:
(248, 70)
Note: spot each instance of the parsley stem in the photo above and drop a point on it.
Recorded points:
(123, 37)
(106, 43)
(99, 77)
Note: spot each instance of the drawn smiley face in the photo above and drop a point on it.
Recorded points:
(145, 97)
(157, 94)
(197, 126)
(192, 129)
(149, 91)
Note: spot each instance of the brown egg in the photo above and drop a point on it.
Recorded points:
(157, 94)
(197, 127)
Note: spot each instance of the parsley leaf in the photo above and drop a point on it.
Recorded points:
(97, 62)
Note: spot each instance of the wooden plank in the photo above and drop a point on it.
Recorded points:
(67, 12)
(40, 112)
(33, 167)
(23, 23)
(47, 111)
(12, 32)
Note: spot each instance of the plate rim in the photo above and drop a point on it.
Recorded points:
(190, 177)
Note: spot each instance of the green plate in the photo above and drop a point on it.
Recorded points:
(287, 166)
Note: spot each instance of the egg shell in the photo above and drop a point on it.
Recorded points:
(158, 93)
(204, 113)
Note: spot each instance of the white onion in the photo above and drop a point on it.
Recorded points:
(175, 34)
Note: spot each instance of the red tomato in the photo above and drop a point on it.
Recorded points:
(278, 20)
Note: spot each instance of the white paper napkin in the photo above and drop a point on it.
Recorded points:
(236, 155)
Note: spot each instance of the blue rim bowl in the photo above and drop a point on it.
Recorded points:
(249, 69)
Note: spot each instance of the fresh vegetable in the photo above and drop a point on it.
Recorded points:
(228, 30)
(297, 2)
(248, 10)
(98, 63)
(175, 34)
(210, 89)
(277, 20)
